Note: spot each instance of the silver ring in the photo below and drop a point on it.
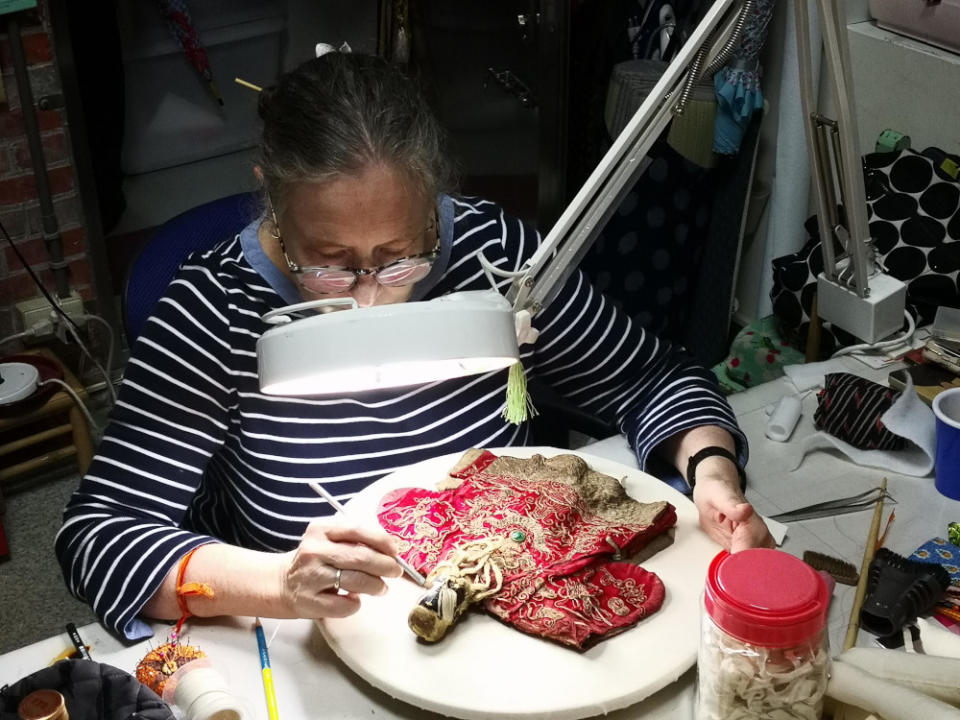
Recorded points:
(336, 580)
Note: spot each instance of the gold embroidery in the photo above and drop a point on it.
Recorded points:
(548, 614)
(567, 516)
(601, 494)
(505, 503)
(618, 606)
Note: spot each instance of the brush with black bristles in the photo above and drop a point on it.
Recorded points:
(839, 570)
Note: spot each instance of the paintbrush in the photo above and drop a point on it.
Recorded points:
(336, 504)
(871, 547)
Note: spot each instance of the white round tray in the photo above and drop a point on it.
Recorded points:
(485, 669)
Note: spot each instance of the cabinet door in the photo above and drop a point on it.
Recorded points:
(495, 75)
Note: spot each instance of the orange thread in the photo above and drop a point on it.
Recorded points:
(185, 590)
(886, 529)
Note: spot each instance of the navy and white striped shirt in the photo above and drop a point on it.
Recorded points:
(195, 452)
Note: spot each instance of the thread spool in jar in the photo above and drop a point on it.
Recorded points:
(763, 644)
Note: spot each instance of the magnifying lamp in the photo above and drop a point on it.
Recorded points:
(385, 346)
(480, 331)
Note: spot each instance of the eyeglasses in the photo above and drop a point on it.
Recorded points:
(333, 280)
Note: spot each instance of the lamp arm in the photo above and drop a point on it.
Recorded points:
(834, 148)
(728, 48)
(586, 215)
(855, 296)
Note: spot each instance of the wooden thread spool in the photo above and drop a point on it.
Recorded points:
(43, 705)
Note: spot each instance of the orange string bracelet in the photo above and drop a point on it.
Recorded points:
(185, 590)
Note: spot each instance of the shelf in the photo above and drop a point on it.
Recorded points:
(906, 85)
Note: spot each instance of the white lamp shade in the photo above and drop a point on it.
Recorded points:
(385, 346)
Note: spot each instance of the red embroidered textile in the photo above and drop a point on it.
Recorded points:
(559, 530)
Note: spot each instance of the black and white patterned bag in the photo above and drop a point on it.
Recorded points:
(913, 206)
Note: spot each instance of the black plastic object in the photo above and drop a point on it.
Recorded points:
(91, 690)
(898, 590)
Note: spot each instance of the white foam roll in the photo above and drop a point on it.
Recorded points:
(934, 676)
(853, 686)
(784, 418)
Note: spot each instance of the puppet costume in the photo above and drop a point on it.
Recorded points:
(537, 541)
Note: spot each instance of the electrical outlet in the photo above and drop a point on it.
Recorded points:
(36, 311)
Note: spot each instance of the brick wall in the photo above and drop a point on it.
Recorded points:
(19, 207)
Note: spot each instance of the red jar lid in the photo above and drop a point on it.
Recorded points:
(765, 597)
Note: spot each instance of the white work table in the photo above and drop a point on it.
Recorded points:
(311, 681)
(773, 487)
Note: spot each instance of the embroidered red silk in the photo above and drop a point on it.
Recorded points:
(555, 531)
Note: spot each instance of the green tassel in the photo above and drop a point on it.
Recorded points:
(519, 407)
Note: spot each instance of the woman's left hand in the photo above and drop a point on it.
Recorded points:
(726, 516)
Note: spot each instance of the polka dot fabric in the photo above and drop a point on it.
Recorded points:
(648, 254)
(913, 208)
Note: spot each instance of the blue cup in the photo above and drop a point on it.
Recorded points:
(946, 407)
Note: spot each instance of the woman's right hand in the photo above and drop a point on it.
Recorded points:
(363, 557)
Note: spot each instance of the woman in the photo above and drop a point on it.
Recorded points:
(354, 171)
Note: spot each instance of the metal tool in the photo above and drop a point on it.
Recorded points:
(338, 506)
(841, 506)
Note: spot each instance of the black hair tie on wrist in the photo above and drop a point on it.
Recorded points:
(711, 451)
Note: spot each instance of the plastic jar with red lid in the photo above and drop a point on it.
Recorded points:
(763, 643)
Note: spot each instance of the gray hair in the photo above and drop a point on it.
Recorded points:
(342, 112)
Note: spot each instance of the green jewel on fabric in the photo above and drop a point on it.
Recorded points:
(518, 536)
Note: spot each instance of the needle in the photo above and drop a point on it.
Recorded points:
(407, 567)
(241, 81)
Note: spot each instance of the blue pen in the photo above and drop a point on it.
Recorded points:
(267, 673)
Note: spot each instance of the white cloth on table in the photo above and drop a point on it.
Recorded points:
(909, 418)
(810, 375)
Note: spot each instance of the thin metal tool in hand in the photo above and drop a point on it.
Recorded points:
(871, 547)
(407, 567)
(854, 503)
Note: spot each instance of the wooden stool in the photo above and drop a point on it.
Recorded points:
(48, 435)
